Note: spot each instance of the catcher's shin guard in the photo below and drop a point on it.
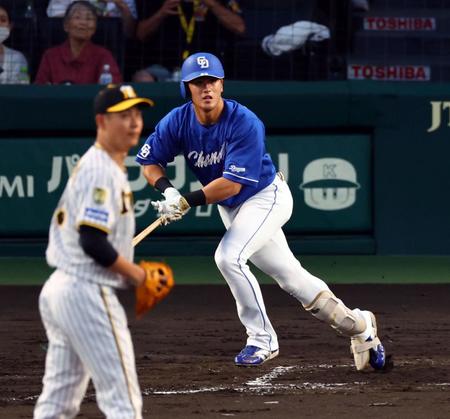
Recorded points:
(331, 310)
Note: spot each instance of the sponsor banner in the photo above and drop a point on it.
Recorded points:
(388, 72)
(394, 23)
(329, 176)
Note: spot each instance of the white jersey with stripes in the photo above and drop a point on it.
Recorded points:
(97, 194)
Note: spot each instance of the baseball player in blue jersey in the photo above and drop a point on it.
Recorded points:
(223, 143)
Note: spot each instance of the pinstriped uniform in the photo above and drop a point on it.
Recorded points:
(97, 194)
(85, 323)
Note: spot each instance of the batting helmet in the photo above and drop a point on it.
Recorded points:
(199, 65)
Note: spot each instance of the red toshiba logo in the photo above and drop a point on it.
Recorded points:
(395, 23)
(388, 72)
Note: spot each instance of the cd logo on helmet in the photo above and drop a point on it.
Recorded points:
(203, 62)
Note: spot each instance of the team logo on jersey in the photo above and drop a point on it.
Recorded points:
(145, 151)
(329, 184)
(233, 168)
(202, 160)
(100, 196)
(203, 62)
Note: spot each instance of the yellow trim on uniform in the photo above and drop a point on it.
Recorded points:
(129, 103)
(119, 349)
(98, 227)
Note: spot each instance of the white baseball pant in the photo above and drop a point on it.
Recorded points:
(88, 337)
(254, 233)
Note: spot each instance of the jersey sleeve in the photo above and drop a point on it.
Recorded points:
(245, 152)
(162, 146)
(98, 206)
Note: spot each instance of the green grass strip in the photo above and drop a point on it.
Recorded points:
(332, 269)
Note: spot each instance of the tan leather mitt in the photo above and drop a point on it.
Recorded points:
(157, 285)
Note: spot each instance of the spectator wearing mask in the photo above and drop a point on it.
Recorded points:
(77, 60)
(13, 64)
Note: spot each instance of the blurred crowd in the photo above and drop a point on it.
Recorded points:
(104, 41)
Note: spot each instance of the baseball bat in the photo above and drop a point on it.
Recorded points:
(144, 233)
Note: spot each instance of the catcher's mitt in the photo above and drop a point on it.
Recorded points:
(158, 283)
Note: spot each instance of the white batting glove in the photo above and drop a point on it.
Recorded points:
(172, 194)
(173, 207)
(174, 201)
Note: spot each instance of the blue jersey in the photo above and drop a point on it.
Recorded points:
(233, 148)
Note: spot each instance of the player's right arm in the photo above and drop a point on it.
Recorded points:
(98, 211)
(95, 244)
(134, 273)
(153, 173)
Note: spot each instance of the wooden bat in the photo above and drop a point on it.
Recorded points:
(144, 233)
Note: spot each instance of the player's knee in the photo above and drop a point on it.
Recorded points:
(226, 259)
(331, 310)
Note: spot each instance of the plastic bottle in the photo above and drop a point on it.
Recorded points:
(106, 76)
(23, 75)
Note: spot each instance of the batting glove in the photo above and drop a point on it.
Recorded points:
(173, 207)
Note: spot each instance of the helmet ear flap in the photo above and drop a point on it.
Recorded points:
(184, 90)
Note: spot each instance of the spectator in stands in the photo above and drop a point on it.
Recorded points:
(77, 60)
(13, 64)
(126, 9)
(170, 30)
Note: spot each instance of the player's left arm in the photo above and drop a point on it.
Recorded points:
(220, 189)
(230, 18)
(176, 205)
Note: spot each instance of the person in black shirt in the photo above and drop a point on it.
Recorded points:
(170, 30)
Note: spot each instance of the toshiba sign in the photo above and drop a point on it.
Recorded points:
(388, 72)
(392, 23)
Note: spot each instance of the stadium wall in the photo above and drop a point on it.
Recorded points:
(367, 163)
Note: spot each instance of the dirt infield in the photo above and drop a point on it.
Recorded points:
(185, 348)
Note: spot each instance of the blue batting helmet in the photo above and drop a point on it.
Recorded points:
(199, 65)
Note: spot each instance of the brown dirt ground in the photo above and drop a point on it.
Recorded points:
(185, 348)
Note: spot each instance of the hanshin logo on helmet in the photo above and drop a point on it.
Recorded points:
(329, 184)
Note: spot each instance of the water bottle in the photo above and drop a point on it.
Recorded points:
(23, 77)
(106, 76)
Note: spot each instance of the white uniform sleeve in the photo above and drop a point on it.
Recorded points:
(97, 201)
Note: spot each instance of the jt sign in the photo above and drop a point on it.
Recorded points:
(437, 109)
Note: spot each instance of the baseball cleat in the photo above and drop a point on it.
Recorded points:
(252, 356)
(369, 352)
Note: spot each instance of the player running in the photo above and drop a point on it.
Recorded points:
(90, 245)
(223, 143)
